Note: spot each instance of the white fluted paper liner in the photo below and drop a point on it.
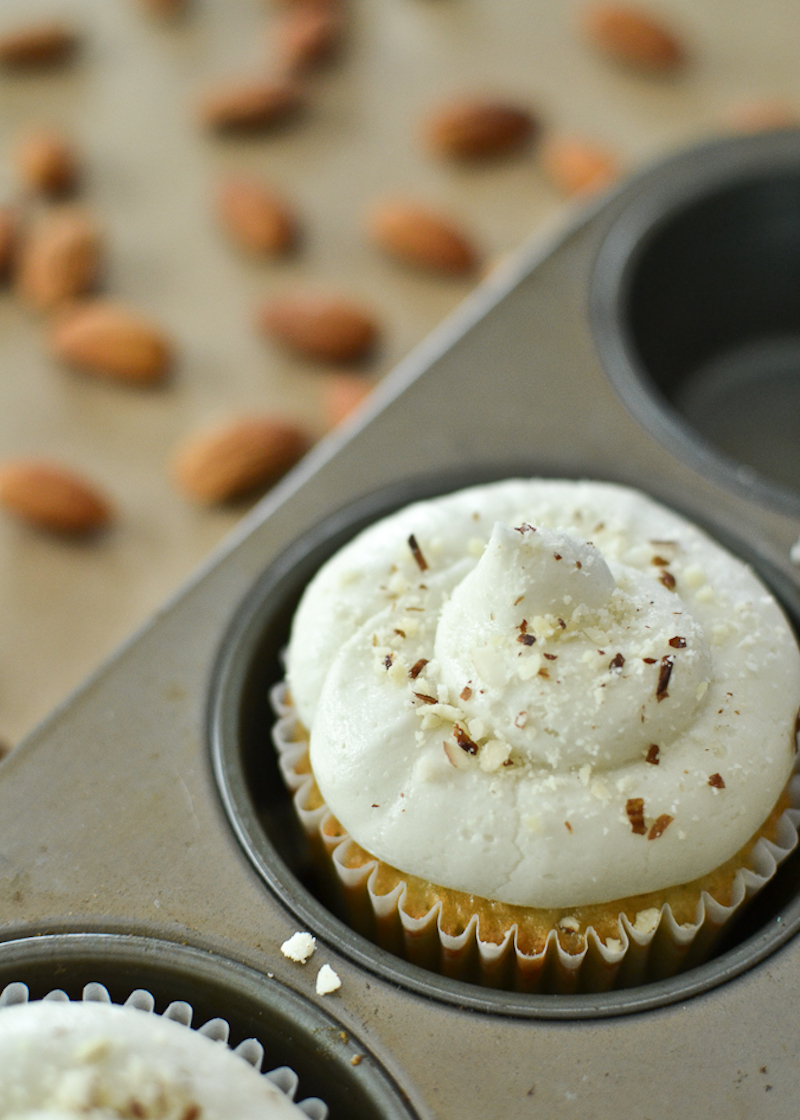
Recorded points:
(218, 1030)
(661, 948)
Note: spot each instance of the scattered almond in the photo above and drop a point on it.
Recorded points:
(9, 224)
(320, 326)
(577, 166)
(250, 106)
(762, 116)
(419, 236)
(341, 394)
(476, 129)
(237, 457)
(633, 37)
(257, 218)
(60, 258)
(111, 341)
(46, 162)
(310, 33)
(37, 44)
(52, 497)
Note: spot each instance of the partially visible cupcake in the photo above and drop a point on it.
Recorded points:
(61, 1060)
(552, 734)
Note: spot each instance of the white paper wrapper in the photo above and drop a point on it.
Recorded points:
(654, 947)
(218, 1030)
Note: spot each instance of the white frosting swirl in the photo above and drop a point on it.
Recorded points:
(500, 706)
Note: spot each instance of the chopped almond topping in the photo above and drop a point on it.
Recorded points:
(658, 826)
(678, 643)
(551, 656)
(417, 668)
(423, 696)
(543, 673)
(715, 780)
(634, 807)
(652, 754)
(466, 692)
(417, 553)
(660, 562)
(663, 678)
(617, 661)
(464, 740)
(568, 826)
(668, 579)
(649, 660)
(526, 639)
(387, 661)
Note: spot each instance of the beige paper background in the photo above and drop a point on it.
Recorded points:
(150, 174)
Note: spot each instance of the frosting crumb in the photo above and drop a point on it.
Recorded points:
(299, 947)
(327, 981)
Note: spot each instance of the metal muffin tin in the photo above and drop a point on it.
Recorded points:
(140, 808)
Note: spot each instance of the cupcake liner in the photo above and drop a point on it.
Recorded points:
(656, 945)
(217, 1029)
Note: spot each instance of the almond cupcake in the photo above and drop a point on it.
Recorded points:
(92, 1059)
(542, 734)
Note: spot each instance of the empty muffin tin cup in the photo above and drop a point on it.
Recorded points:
(696, 312)
(258, 803)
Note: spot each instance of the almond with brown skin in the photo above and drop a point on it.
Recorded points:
(51, 496)
(60, 258)
(479, 129)
(237, 457)
(308, 35)
(633, 37)
(46, 162)
(419, 236)
(576, 166)
(250, 106)
(256, 217)
(320, 326)
(112, 341)
(37, 44)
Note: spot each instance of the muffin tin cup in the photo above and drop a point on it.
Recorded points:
(661, 949)
(261, 812)
(305, 1051)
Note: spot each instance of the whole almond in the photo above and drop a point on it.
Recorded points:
(46, 162)
(9, 226)
(320, 326)
(341, 394)
(111, 341)
(60, 258)
(234, 458)
(478, 129)
(577, 166)
(250, 106)
(257, 218)
(633, 37)
(309, 34)
(51, 496)
(421, 237)
(37, 44)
